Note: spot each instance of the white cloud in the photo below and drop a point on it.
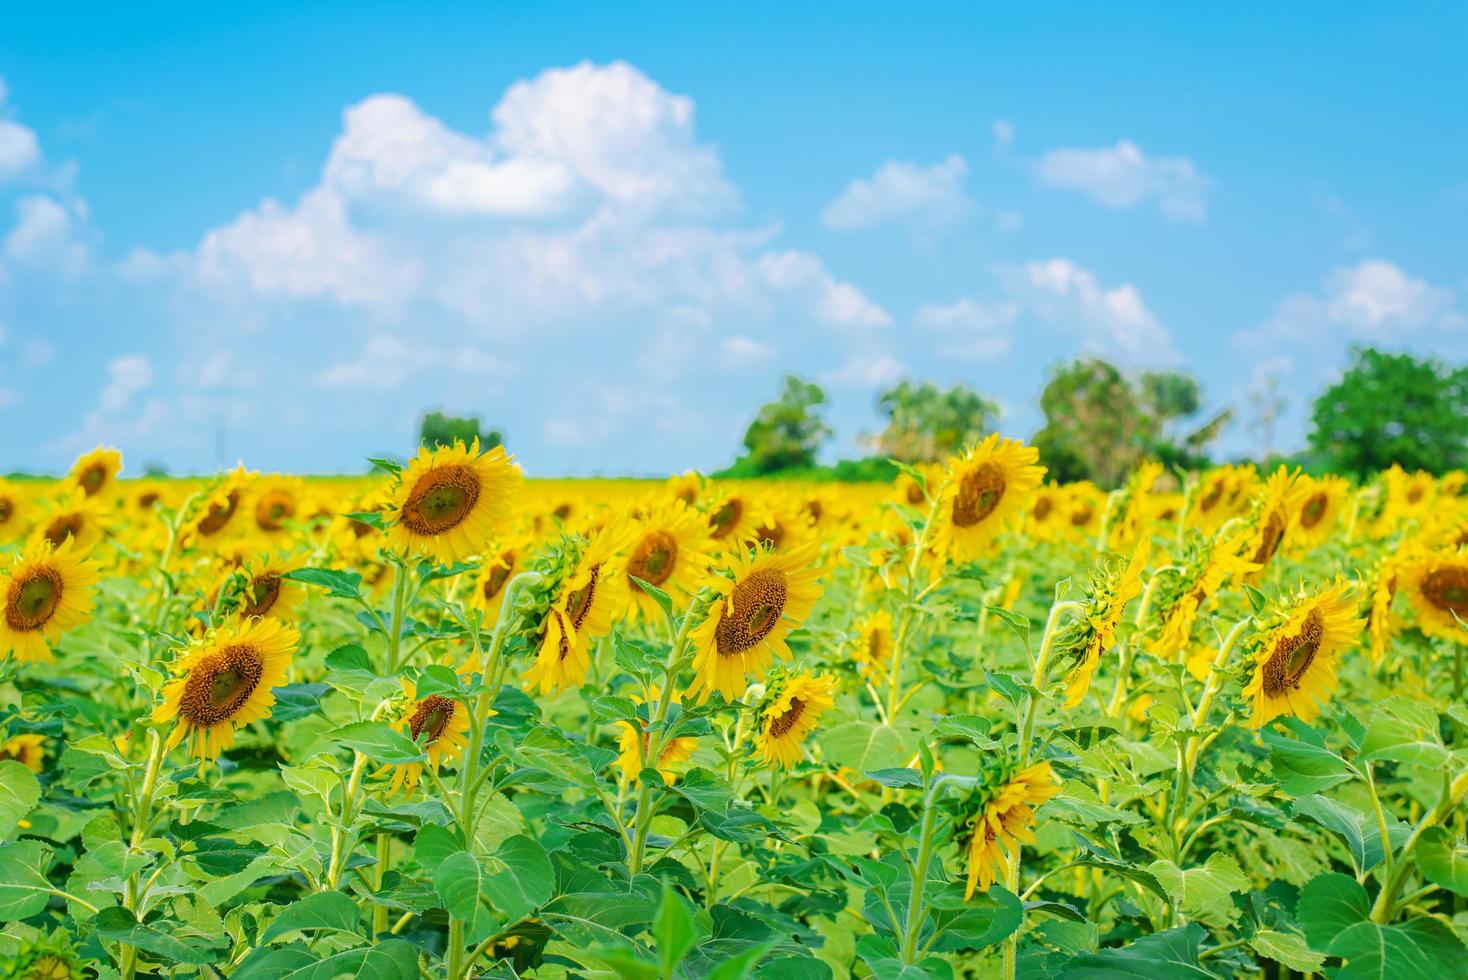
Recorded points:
(866, 370)
(1111, 321)
(1371, 300)
(740, 351)
(20, 151)
(48, 234)
(836, 303)
(900, 191)
(386, 362)
(126, 376)
(970, 329)
(1122, 176)
(1003, 131)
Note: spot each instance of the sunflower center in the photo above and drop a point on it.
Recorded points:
(654, 557)
(64, 527)
(726, 518)
(441, 500)
(220, 684)
(1447, 588)
(815, 509)
(771, 535)
(273, 511)
(1274, 531)
(1043, 507)
(1414, 495)
(263, 592)
(92, 478)
(1293, 656)
(219, 514)
(578, 604)
(1211, 498)
(1313, 511)
(499, 575)
(1081, 517)
(147, 499)
(787, 719)
(979, 492)
(432, 717)
(915, 494)
(874, 645)
(32, 601)
(6, 509)
(756, 606)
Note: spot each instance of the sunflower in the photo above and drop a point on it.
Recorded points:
(51, 959)
(1095, 632)
(668, 547)
(1275, 512)
(1083, 506)
(685, 486)
(215, 521)
(1203, 570)
(1437, 588)
(225, 682)
(263, 589)
(874, 644)
(437, 723)
(790, 711)
(916, 487)
(590, 595)
(1138, 504)
(450, 501)
(762, 599)
(1381, 623)
(731, 520)
(74, 517)
(1001, 821)
(1409, 496)
(783, 525)
(984, 492)
(632, 748)
(94, 472)
(1221, 494)
(277, 502)
(1295, 662)
(12, 507)
(1047, 518)
(495, 571)
(28, 749)
(1321, 503)
(48, 590)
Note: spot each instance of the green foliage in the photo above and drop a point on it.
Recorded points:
(1393, 408)
(787, 433)
(926, 423)
(437, 429)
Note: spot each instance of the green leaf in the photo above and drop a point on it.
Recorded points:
(325, 911)
(379, 742)
(519, 877)
(864, 746)
(1160, 956)
(118, 924)
(1335, 913)
(459, 882)
(1020, 624)
(1358, 829)
(392, 959)
(1288, 949)
(1404, 731)
(740, 965)
(433, 844)
(343, 584)
(664, 601)
(1205, 893)
(19, 793)
(1443, 860)
(1304, 765)
(371, 518)
(1258, 600)
(896, 778)
(672, 930)
(977, 922)
(24, 888)
(391, 466)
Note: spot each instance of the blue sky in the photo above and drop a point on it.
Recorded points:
(278, 232)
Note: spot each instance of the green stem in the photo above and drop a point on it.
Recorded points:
(1386, 901)
(142, 820)
(915, 910)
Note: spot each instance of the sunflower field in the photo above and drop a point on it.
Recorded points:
(448, 722)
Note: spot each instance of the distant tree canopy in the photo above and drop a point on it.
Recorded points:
(1099, 423)
(926, 423)
(1393, 408)
(438, 429)
(787, 432)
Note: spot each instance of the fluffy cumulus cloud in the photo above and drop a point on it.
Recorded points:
(970, 329)
(1122, 176)
(20, 151)
(1373, 300)
(903, 192)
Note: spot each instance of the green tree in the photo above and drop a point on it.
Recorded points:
(1393, 408)
(438, 429)
(1099, 423)
(926, 423)
(787, 432)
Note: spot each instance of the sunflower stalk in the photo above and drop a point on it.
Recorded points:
(657, 739)
(142, 822)
(910, 600)
(915, 910)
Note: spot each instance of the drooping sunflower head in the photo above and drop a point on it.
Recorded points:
(74, 518)
(451, 501)
(1138, 503)
(439, 724)
(667, 546)
(225, 681)
(586, 590)
(1321, 503)
(1090, 635)
(1221, 494)
(28, 748)
(1437, 587)
(760, 596)
(1275, 512)
(1295, 659)
(217, 519)
(984, 493)
(790, 710)
(94, 472)
(277, 502)
(998, 816)
(52, 958)
(47, 591)
(872, 644)
(506, 557)
(258, 587)
(633, 744)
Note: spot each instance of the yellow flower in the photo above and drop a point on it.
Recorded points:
(1084, 507)
(499, 565)
(685, 486)
(590, 597)
(985, 492)
(789, 713)
(76, 518)
(47, 591)
(1409, 496)
(731, 521)
(225, 682)
(94, 472)
(1047, 518)
(263, 589)
(1111, 590)
(450, 502)
(1437, 588)
(439, 724)
(1295, 663)
(28, 749)
(1275, 513)
(632, 746)
(763, 599)
(277, 502)
(1321, 503)
(1200, 577)
(12, 509)
(668, 547)
(216, 521)
(1381, 623)
(874, 643)
(1001, 824)
(1222, 493)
